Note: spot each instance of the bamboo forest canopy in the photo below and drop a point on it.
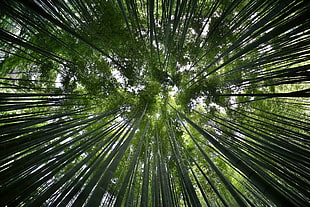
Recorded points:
(154, 103)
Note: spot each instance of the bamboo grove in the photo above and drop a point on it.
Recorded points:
(155, 103)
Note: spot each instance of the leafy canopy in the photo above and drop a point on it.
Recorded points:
(154, 103)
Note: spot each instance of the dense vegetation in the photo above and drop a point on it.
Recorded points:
(154, 103)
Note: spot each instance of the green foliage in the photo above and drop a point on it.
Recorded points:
(154, 103)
